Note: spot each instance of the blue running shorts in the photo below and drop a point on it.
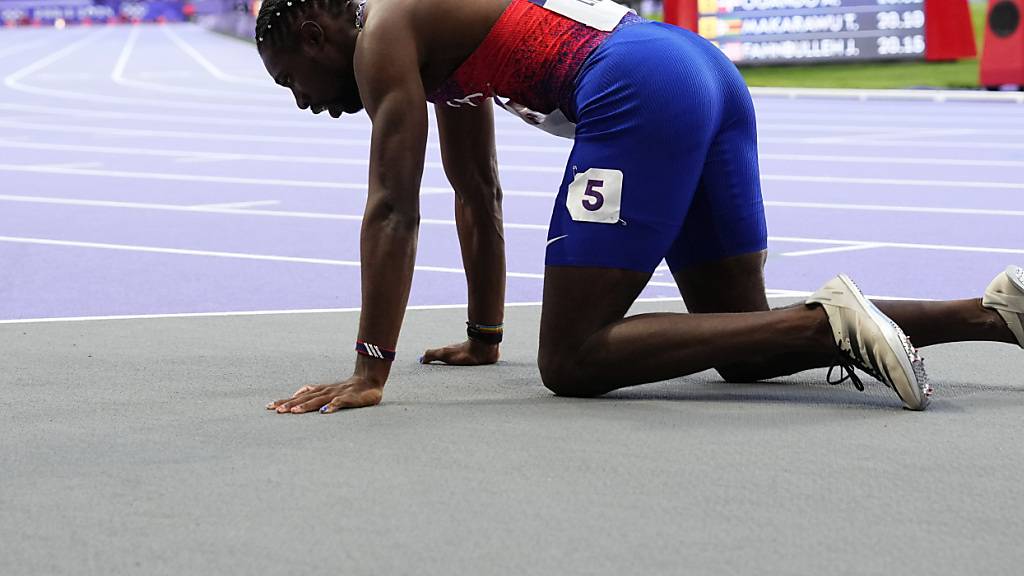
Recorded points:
(665, 160)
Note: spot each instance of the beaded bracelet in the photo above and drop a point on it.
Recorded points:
(488, 334)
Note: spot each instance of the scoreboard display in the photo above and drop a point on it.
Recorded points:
(795, 31)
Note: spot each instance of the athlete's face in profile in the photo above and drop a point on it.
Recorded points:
(318, 72)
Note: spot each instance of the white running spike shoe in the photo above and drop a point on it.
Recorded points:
(1006, 295)
(870, 341)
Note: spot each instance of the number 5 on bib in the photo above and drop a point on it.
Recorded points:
(595, 196)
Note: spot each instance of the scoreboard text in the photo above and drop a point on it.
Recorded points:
(780, 31)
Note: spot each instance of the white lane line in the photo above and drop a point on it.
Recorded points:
(895, 134)
(204, 120)
(844, 159)
(13, 80)
(236, 211)
(902, 245)
(972, 118)
(360, 123)
(364, 142)
(185, 177)
(354, 125)
(242, 181)
(287, 183)
(421, 307)
(165, 74)
(229, 255)
(849, 248)
(904, 144)
(117, 75)
(65, 165)
(230, 211)
(974, 96)
(892, 208)
(189, 156)
(249, 256)
(182, 155)
(209, 66)
(204, 159)
(771, 294)
(507, 225)
(189, 135)
(235, 205)
(894, 182)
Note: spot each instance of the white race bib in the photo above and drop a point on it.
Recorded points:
(554, 123)
(602, 15)
(595, 196)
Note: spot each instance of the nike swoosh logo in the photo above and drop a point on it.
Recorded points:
(556, 239)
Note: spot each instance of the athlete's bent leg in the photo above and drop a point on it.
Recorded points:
(736, 284)
(587, 347)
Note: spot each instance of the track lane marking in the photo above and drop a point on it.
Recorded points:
(286, 183)
(816, 251)
(118, 77)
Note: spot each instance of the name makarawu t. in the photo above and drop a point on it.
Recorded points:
(832, 23)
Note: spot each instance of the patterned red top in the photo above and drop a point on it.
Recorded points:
(531, 56)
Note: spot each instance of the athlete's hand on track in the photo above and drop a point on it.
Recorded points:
(356, 392)
(468, 353)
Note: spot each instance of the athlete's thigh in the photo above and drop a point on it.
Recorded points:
(733, 284)
(578, 302)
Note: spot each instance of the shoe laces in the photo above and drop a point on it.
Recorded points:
(849, 374)
(847, 362)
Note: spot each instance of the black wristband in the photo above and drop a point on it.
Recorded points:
(484, 333)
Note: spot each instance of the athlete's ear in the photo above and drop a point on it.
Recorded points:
(312, 35)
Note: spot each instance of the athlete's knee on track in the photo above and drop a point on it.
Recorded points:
(561, 374)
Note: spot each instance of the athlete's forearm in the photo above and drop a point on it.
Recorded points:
(471, 164)
(482, 238)
(388, 255)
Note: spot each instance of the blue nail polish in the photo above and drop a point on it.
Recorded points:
(324, 409)
(420, 360)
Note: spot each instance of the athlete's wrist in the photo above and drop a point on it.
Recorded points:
(372, 370)
(489, 334)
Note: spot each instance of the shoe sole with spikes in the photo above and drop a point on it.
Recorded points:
(873, 341)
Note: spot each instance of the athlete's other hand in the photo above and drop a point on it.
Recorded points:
(356, 392)
(468, 353)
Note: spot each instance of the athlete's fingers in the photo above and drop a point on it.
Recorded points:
(353, 399)
(434, 355)
(287, 405)
(311, 405)
(306, 389)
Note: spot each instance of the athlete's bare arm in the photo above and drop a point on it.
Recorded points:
(387, 63)
(471, 164)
